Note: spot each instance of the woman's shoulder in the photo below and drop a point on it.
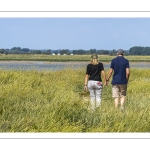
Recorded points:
(89, 64)
(100, 63)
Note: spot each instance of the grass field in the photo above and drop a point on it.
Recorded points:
(64, 58)
(34, 101)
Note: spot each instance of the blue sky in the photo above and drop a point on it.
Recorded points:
(74, 33)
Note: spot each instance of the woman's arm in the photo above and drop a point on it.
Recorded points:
(86, 82)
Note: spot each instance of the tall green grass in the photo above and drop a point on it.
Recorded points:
(54, 101)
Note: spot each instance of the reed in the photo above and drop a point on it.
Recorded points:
(54, 101)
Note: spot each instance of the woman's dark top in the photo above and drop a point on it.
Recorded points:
(94, 71)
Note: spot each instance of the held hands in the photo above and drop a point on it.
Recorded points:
(106, 82)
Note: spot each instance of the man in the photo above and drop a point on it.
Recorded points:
(120, 69)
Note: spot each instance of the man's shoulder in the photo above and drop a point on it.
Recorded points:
(114, 59)
(126, 59)
(118, 59)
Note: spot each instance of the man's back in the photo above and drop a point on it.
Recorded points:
(120, 69)
(119, 65)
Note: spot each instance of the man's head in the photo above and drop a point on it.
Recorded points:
(120, 52)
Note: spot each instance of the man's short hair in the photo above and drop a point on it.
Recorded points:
(120, 52)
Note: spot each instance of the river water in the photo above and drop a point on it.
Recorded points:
(53, 66)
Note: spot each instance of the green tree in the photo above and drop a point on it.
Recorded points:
(92, 51)
(65, 51)
(2, 51)
(48, 52)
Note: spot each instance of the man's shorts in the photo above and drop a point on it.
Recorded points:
(119, 90)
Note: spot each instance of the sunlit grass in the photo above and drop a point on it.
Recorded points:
(54, 101)
(65, 58)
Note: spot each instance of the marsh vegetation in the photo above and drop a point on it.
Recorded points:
(54, 101)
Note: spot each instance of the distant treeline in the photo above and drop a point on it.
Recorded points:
(136, 50)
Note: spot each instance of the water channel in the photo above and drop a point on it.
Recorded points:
(54, 66)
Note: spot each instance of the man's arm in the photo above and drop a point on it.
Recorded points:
(104, 76)
(127, 73)
(110, 74)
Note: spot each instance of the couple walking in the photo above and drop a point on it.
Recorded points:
(119, 68)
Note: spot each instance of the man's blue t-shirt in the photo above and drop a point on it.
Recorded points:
(119, 65)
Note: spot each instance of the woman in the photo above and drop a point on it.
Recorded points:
(93, 81)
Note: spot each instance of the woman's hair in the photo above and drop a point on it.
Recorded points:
(94, 59)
